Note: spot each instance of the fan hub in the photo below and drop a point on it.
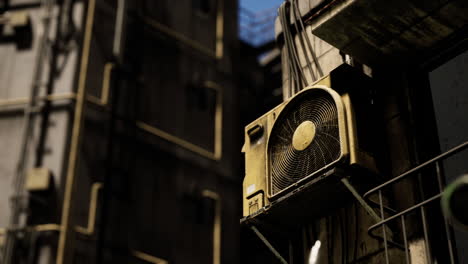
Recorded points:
(303, 135)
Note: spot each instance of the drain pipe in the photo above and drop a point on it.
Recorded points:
(66, 235)
(28, 130)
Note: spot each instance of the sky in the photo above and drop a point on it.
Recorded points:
(259, 5)
(257, 35)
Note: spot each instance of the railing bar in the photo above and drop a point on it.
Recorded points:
(449, 241)
(419, 167)
(390, 242)
(405, 239)
(382, 216)
(426, 235)
(405, 211)
(376, 204)
(267, 243)
(439, 176)
(361, 201)
(446, 225)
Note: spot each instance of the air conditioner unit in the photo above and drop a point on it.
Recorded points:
(326, 125)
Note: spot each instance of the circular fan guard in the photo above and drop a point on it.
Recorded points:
(289, 165)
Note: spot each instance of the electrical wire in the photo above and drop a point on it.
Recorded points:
(307, 39)
(291, 53)
(300, 33)
(284, 19)
(288, 88)
(290, 47)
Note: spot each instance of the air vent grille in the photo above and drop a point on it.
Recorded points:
(304, 139)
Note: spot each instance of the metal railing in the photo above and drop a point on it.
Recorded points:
(257, 28)
(390, 218)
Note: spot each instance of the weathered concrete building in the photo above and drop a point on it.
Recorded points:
(415, 52)
(138, 128)
(121, 131)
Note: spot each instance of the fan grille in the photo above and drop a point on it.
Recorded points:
(289, 165)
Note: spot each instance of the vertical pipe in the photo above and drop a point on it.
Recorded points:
(28, 129)
(383, 227)
(64, 245)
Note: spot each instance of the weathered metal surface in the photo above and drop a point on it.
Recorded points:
(377, 32)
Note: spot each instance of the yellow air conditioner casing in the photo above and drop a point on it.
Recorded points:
(264, 176)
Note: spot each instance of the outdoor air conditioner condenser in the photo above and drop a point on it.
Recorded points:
(315, 130)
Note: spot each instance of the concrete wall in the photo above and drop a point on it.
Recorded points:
(152, 201)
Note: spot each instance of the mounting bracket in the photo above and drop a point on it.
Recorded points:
(361, 200)
(267, 243)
